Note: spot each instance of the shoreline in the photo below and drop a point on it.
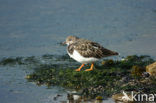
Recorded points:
(108, 78)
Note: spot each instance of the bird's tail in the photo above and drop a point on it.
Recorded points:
(115, 53)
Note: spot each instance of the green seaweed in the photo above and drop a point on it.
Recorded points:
(109, 77)
(137, 71)
(11, 61)
(47, 58)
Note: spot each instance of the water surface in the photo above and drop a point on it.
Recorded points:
(34, 27)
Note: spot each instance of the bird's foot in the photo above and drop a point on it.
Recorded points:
(78, 70)
(89, 69)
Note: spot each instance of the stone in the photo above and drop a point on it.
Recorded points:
(122, 97)
(99, 98)
(151, 69)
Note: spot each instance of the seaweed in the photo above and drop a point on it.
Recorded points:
(110, 77)
(11, 61)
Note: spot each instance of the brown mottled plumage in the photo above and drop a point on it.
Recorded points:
(90, 49)
(86, 51)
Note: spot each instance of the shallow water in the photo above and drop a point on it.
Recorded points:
(35, 27)
(15, 89)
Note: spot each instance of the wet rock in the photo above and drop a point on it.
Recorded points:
(76, 97)
(55, 98)
(99, 98)
(151, 69)
(146, 74)
(122, 97)
(137, 70)
(125, 79)
(85, 91)
(58, 95)
(27, 77)
(70, 96)
(11, 61)
(110, 77)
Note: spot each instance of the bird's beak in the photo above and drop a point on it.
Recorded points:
(63, 43)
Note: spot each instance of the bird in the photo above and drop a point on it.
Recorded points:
(85, 51)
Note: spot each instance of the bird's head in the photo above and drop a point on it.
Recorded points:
(70, 40)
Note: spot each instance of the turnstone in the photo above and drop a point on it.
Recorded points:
(86, 51)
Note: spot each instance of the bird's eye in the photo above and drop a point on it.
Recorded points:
(69, 39)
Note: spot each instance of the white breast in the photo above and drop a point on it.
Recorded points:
(76, 55)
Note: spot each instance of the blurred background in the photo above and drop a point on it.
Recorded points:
(35, 27)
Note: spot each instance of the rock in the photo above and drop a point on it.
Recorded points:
(145, 74)
(99, 98)
(58, 95)
(125, 79)
(70, 96)
(151, 69)
(27, 77)
(76, 97)
(137, 70)
(122, 97)
(55, 98)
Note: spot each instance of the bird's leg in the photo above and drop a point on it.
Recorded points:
(91, 67)
(80, 67)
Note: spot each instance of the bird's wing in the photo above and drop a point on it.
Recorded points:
(91, 49)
